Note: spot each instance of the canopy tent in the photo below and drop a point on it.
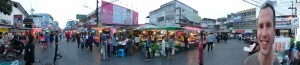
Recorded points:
(147, 27)
(192, 28)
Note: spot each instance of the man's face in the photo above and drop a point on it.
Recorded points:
(265, 31)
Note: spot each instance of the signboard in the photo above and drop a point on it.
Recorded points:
(114, 14)
(80, 16)
(3, 29)
(18, 21)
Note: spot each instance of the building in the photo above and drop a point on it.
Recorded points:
(42, 20)
(243, 21)
(208, 24)
(167, 15)
(71, 25)
(221, 25)
(56, 24)
(17, 16)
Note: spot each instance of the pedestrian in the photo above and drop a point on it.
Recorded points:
(78, 40)
(51, 37)
(108, 45)
(170, 46)
(129, 44)
(186, 42)
(104, 47)
(82, 41)
(87, 42)
(90, 41)
(163, 46)
(56, 46)
(148, 44)
(265, 37)
(47, 39)
(115, 44)
(210, 40)
(29, 50)
(42, 41)
(137, 41)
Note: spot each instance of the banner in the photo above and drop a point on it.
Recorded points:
(115, 14)
(18, 21)
(106, 12)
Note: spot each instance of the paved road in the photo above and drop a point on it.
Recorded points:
(230, 53)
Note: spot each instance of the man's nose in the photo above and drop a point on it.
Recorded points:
(264, 32)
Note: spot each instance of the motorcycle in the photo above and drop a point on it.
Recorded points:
(12, 53)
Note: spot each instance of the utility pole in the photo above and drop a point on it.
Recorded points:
(97, 15)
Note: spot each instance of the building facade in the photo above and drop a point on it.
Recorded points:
(42, 20)
(71, 25)
(174, 13)
(18, 12)
(208, 24)
(243, 21)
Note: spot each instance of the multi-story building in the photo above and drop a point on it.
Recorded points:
(221, 25)
(208, 24)
(42, 20)
(243, 21)
(56, 24)
(174, 13)
(17, 15)
(71, 25)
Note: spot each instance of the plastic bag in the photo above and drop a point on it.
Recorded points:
(16, 62)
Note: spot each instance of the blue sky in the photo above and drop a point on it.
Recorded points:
(64, 10)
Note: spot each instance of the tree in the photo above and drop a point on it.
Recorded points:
(5, 7)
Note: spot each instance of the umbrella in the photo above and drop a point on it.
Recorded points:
(169, 28)
(192, 28)
(147, 27)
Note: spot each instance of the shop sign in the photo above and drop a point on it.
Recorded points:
(3, 29)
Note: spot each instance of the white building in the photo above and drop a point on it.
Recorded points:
(6, 21)
(174, 12)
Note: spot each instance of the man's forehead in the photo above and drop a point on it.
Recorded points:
(265, 13)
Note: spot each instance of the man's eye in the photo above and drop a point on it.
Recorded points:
(260, 26)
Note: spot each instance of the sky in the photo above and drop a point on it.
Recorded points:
(64, 10)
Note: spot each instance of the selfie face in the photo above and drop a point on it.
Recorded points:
(265, 31)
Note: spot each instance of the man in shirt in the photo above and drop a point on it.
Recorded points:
(210, 40)
(265, 38)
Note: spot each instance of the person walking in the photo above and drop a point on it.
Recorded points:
(56, 46)
(90, 41)
(115, 44)
(210, 40)
(86, 39)
(29, 50)
(186, 42)
(148, 43)
(104, 47)
(129, 44)
(137, 41)
(78, 40)
(163, 46)
(82, 41)
(170, 46)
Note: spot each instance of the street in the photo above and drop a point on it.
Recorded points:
(230, 53)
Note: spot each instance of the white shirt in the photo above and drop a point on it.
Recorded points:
(163, 45)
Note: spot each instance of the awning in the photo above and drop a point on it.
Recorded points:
(239, 31)
(192, 28)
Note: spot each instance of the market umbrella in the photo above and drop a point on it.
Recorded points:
(147, 27)
(169, 28)
(191, 28)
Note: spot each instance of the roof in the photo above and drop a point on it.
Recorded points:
(20, 7)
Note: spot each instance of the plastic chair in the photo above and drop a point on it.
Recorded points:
(121, 52)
